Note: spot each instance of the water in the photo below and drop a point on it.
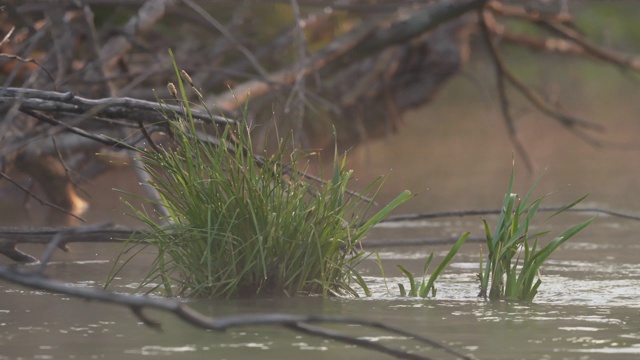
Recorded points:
(587, 308)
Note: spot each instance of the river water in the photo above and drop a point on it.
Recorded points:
(454, 155)
(587, 308)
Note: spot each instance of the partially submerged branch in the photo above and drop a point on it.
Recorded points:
(307, 324)
(460, 213)
(11, 238)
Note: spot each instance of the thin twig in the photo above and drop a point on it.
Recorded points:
(623, 60)
(228, 35)
(29, 60)
(67, 170)
(460, 213)
(59, 242)
(383, 243)
(7, 36)
(40, 200)
(105, 140)
(147, 136)
(572, 123)
(537, 100)
(46, 256)
(502, 95)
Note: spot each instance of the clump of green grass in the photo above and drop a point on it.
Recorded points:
(426, 287)
(248, 224)
(511, 268)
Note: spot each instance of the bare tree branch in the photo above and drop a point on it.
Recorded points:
(526, 13)
(627, 61)
(29, 60)
(502, 94)
(570, 122)
(359, 43)
(112, 108)
(414, 217)
(147, 16)
(301, 323)
(228, 35)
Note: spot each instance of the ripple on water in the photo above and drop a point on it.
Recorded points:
(161, 350)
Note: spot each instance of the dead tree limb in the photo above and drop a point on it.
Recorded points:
(11, 238)
(569, 121)
(306, 324)
(112, 108)
(440, 214)
(625, 61)
(369, 38)
(577, 126)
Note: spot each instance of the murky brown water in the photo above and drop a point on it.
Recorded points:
(587, 308)
(455, 155)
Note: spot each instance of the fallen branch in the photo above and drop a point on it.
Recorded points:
(460, 213)
(300, 323)
(10, 238)
(381, 243)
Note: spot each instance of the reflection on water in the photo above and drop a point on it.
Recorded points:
(587, 308)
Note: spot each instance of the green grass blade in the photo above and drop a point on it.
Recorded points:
(384, 277)
(413, 292)
(403, 292)
(447, 259)
(425, 268)
(363, 284)
(384, 212)
(567, 207)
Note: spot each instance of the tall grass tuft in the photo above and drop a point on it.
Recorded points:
(248, 224)
(511, 268)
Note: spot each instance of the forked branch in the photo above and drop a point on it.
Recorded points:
(490, 31)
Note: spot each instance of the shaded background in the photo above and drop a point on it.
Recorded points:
(454, 151)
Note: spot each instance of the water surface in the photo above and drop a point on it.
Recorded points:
(587, 308)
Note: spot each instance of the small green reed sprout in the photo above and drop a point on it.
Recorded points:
(427, 287)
